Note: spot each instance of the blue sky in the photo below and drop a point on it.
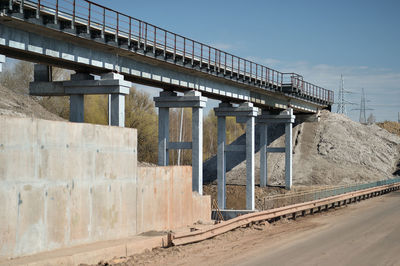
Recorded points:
(319, 39)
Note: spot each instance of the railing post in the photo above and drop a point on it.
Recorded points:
(130, 32)
(56, 14)
(219, 60)
(88, 26)
(238, 74)
(184, 50)
(117, 30)
(165, 44)
(244, 75)
(215, 61)
(232, 66)
(192, 53)
(209, 57)
(225, 65)
(145, 37)
(37, 10)
(201, 55)
(256, 73)
(140, 34)
(21, 7)
(155, 41)
(73, 15)
(103, 29)
(174, 56)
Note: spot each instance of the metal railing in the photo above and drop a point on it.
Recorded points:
(277, 201)
(142, 35)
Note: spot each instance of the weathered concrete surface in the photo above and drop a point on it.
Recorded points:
(165, 199)
(93, 253)
(66, 184)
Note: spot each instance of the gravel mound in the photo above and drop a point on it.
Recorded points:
(335, 151)
(19, 105)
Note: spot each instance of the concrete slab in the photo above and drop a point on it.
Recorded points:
(92, 253)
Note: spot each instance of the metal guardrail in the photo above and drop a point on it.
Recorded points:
(143, 35)
(278, 201)
(267, 215)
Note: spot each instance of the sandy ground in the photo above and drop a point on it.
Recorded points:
(366, 233)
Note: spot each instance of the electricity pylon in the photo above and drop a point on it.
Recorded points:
(341, 109)
(363, 108)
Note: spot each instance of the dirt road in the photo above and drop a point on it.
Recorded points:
(366, 233)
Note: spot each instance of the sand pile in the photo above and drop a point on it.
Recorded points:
(18, 105)
(335, 151)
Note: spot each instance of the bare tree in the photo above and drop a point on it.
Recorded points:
(17, 77)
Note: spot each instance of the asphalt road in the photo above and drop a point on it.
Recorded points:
(367, 233)
(364, 233)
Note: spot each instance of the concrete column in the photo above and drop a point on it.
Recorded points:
(163, 136)
(250, 150)
(2, 60)
(288, 153)
(221, 162)
(42, 72)
(197, 149)
(76, 108)
(263, 154)
(109, 109)
(194, 100)
(118, 110)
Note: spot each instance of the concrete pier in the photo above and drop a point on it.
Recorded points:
(83, 84)
(194, 100)
(264, 120)
(2, 60)
(244, 113)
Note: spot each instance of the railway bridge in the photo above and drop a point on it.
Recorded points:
(91, 39)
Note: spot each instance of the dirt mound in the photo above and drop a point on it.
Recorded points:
(391, 126)
(18, 105)
(335, 151)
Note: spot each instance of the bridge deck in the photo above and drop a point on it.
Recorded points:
(91, 21)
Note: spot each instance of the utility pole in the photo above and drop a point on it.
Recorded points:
(180, 137)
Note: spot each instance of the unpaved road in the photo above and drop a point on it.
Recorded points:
(366, 233)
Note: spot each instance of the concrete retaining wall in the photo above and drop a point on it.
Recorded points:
(64, 184)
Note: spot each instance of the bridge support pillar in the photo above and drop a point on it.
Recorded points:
(76, 108)
(83, 84)
(264, 120)
(244, 113)
(194, 100)
(2, 60)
